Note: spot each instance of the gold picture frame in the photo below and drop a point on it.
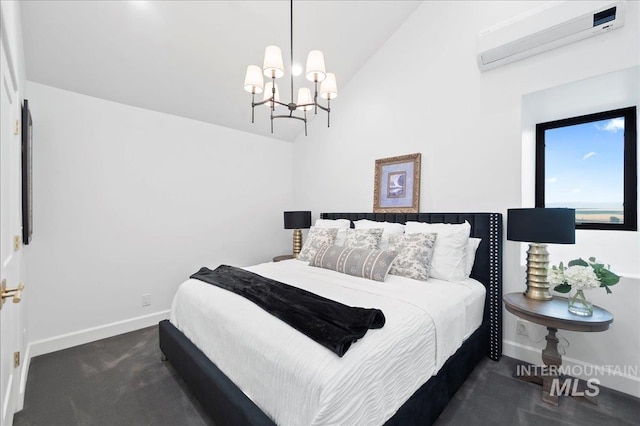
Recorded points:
(396, 185)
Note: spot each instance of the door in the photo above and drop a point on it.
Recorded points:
(10, 228)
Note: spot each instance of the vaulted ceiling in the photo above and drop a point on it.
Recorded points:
(188, 58)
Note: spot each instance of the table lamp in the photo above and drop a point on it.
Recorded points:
(539, 226)
(297, 221)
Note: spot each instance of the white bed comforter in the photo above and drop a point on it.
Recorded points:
(295, 380)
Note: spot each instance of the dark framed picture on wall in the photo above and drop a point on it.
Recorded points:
(396, 186)
(27, 186)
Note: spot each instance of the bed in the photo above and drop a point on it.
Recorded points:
(227, 404)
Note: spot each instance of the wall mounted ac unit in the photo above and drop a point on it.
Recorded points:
(544, 28)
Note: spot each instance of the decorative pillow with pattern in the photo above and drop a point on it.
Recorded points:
(316, 238)
(414, 255)
(359, 262)
(363, 238)
(341, 224)
(388, 228)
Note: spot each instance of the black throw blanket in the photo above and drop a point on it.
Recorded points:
(332, 324)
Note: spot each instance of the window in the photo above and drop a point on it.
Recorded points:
(589, 163)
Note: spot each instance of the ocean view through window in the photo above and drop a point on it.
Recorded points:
(589, 163)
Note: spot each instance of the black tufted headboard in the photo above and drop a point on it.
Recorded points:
(488, 264)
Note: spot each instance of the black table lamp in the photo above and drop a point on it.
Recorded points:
(297, 221)
(538, 227)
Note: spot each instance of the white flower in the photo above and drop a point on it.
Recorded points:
(581, 277)
(556, 276)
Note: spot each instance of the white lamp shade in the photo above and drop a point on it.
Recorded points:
(315, 66)
(273, 66)
(268, 92)
(304, 97)
(328, 87)
(253, 81)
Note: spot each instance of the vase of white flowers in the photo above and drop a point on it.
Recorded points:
(579, 305)
(579, 276)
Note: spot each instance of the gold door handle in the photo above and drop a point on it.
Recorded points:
(16, 293)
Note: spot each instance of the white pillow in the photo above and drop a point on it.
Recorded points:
(341, 224)
(388, 228)
(471, 255)
(450, 251)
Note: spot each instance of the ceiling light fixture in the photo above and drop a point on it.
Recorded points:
(140, 3)
(273, 68)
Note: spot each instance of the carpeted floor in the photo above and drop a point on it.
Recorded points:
(121, 381)
(117, 381)
(492, 396)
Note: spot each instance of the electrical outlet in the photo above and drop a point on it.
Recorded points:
(146, 299)
(522, 328)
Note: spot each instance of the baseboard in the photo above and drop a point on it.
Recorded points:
(80, 337)
(26, 361)
(613, 379)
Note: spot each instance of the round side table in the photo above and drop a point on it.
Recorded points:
(283, 257)
(554, 315)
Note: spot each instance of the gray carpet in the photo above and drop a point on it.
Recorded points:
(117, 381)
(121, 381)
(492, 396)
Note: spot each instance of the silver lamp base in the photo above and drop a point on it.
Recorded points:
(537, 269)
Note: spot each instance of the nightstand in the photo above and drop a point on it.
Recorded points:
(554, 315)
(283, 257)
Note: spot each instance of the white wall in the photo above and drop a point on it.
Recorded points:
(129, 201)
(617, 89)
(621, 249)
(422, 92)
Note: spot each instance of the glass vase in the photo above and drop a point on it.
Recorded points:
(579, 305)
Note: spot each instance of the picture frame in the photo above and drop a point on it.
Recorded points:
(27, 186)
(396, 185)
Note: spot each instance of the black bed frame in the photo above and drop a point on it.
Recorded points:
(228, 405)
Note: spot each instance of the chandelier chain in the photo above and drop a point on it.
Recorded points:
(291, 65)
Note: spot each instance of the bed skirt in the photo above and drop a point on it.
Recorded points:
(228, 405)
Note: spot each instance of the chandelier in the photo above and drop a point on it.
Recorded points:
(273, 68)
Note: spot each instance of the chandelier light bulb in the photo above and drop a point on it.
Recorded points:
(273, 65)
(268, 92)
(304, 97)
(315, 66)
(253, 81)
(328, 87)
